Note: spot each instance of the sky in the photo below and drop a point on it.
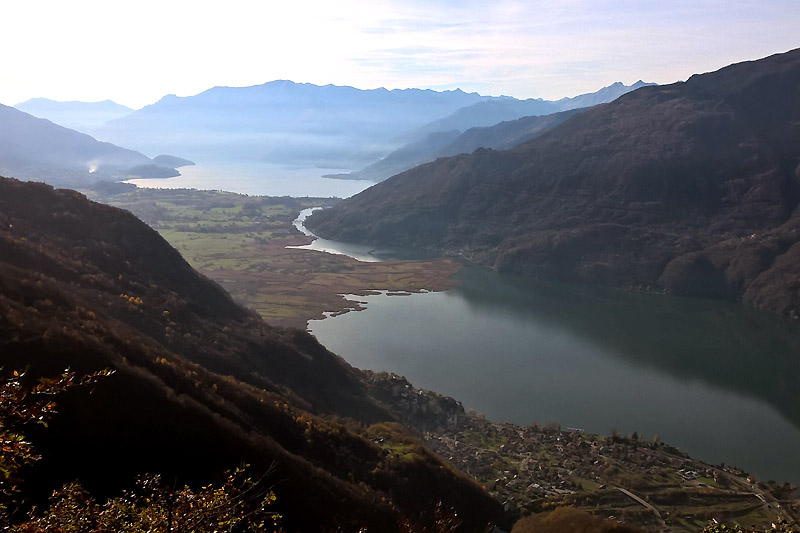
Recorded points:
(135, 52)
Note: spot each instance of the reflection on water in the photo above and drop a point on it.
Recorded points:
(259, 179)
(716, 379)
(359, 252)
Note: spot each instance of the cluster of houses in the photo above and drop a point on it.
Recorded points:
(521, 465)
(533, 467)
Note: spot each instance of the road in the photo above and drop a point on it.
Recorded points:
(641, 501)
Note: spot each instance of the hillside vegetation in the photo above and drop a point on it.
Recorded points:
(35, 148)
(249, 245)
(201, 384)
(691, 188)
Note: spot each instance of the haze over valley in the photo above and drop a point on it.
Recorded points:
(454, 267)
(275, 129)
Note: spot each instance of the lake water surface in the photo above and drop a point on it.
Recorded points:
(259, 179)
(718, 380)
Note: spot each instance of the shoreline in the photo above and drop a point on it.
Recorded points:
(291, 286)
(241, 243)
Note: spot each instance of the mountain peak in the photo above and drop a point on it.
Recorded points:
(284, 123)
(713, 160)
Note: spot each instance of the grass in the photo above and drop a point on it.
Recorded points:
(473, 438)
(754, 517)
(708, 481)
(240, 242)
(587, 484)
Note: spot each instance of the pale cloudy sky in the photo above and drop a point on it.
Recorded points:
(135, 52)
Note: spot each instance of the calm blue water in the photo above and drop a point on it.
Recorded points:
(718, 380)
(259, 179)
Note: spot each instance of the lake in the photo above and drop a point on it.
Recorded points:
(259, 179)
(716, 379)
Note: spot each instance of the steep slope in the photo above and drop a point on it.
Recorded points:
(35, 148)
(201, 384)
(449, 143)
(408, 156)
(505, 135)
(283, 122)
(499, 124)
(691, 188)
(79, 116)
(490, 112)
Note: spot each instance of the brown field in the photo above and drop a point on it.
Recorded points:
(241, 243)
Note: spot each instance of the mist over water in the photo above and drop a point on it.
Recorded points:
(259, 179)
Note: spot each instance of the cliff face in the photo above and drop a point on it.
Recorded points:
(201, 383)
(691, 187)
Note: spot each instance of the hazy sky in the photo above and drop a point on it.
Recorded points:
(136, 52)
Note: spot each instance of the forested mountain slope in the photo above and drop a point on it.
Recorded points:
(691, 188)
(35, 148)
(201, 384)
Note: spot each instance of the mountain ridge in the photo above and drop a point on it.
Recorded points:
(501, 136)
(500, 124)
(506, 108)
(37, 148)
(73, 114)
(692, 188)
(201, 383)
(601, 96)
(283, 122)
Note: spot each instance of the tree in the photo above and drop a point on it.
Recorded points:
(21, 406)
(239, 503)
(780, 527)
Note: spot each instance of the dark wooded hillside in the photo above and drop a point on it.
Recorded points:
(201, 383)
(692, 188)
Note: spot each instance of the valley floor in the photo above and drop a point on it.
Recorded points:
(241, 243)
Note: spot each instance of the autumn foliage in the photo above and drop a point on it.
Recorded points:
(239, 503)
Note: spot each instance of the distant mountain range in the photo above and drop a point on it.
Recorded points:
(283, 122)
(449, 143)
(302, 125)
(485, 113)
(35, 148)
(603, 96)
(79, 116)
(494, 111)
(692, 188)
(440, 138)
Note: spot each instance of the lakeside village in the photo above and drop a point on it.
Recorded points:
(536, 468)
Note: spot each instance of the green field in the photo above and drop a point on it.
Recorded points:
(241, 242)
